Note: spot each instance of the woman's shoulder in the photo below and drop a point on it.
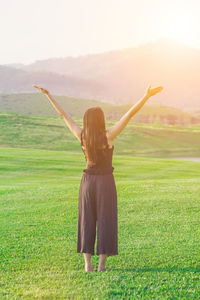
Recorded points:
(110, 142)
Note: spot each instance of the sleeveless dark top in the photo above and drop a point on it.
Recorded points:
(104, 164)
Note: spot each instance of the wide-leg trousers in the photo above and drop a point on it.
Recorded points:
(97, 209)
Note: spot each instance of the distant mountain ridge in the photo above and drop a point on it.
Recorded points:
(14, 80)
(119, 77)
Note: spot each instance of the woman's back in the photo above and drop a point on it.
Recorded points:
(103, 165)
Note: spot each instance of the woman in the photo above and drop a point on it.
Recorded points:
(97, 193)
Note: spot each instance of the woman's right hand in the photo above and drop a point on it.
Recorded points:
(45, 92)
(151, 92)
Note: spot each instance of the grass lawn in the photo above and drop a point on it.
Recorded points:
(144, 140)
(158, 228)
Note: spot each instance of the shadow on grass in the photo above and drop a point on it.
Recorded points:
(155, 270)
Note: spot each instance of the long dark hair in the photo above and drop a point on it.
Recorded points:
(94, 132)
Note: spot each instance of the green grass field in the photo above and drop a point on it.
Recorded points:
(158, 219)
(41, 166)
(146, 140)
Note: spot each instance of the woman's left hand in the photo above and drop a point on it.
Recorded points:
(41, 89)
(151, 92)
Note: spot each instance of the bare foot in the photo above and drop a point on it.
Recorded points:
(101, 269)
(89, 269)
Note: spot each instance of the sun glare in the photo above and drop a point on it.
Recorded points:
(180, 27)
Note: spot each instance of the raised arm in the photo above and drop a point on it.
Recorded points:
(115, 130)
(75, 129)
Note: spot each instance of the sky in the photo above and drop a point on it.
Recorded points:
(41, 29)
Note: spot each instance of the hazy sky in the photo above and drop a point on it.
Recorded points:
(38, 29)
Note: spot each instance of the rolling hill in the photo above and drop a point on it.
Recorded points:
(119, 77)
(19, 81)
(38, 104)
(50, 132)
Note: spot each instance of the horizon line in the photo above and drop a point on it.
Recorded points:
(160, 39)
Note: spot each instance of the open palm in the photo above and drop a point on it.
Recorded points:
(151, 92)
